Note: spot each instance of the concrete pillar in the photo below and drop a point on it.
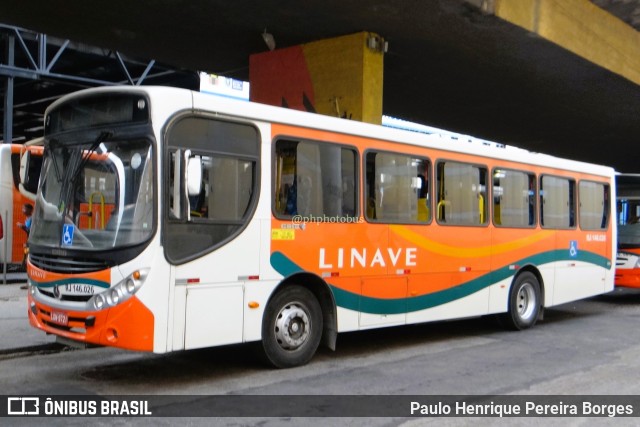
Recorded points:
(339, 77)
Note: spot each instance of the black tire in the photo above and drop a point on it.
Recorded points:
(291, 327)
(524, 302)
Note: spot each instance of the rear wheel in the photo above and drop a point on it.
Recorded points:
(291, 327)
(524, 302)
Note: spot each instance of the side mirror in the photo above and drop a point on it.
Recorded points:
(194, 174)
(192, 177)
(24, 167)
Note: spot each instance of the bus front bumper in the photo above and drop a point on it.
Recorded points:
(628, 278)
(128, 325)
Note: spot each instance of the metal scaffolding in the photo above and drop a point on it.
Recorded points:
(37, 69)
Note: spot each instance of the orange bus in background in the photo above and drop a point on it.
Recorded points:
(628, 209)
(14, 194)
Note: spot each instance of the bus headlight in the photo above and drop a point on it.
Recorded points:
(99, 301)
(130, 286)
(120, 292)
(114, 296)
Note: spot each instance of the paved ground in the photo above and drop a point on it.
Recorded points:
(12, 277)
(588, 348)
(15, 331)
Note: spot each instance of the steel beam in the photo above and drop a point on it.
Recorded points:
(7, 137)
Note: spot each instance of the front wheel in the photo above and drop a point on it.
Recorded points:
(291, 327)
(524, 302)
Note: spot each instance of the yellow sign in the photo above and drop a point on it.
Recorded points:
(283, 234)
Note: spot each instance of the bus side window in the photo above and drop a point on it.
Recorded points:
(462, 193)
(594, 206)
(285, 182)
(397, 188)
(513, 198)
(557, 202)
(315, 180)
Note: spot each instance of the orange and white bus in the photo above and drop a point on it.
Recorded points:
(14, 194)
(230, 222)
(628, 210)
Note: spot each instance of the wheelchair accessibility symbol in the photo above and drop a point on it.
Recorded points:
(573, 248)
(67, 234)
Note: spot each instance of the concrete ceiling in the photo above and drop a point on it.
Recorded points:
(448, 65)
(627, 10)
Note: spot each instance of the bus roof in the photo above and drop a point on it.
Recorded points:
(445, 140)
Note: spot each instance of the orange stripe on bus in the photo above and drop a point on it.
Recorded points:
(465, 251)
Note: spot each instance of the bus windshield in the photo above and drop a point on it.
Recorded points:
(628, 208)
(95, 195)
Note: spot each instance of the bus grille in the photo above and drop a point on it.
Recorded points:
(74, 298)
(67, 265)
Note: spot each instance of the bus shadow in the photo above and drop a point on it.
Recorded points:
(233, 361)
(621, 296)
(361, 343)
(187, 366)
(220, 363)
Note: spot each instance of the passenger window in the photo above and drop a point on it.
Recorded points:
(513, 198)
(397, 188)
(557, 202)
(594, 205)
(315, 180)
(461, 194)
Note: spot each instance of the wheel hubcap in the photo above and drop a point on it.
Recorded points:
(526, 301)
(292, 327)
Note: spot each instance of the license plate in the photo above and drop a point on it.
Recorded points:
(78, 289)
(60, 318)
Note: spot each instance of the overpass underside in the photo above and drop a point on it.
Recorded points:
(557, 76)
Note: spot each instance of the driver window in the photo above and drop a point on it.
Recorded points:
(220, 207)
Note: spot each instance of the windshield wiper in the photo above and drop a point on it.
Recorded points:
(75, 166)
(99, 140)
(50, 147)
